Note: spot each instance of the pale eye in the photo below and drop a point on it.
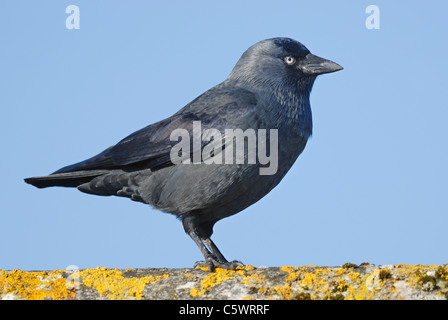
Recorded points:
(290, 60)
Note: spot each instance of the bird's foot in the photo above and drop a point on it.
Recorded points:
(211, 263)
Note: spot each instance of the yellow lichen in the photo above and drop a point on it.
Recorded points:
(34, 285)
(41, 285)
(307, 282)
(327, 283)
(202, 268)
(112, 283)
(212, 279)
(220, 275)
(287, 269)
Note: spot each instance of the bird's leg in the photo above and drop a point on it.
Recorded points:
(213, 259)
(208, 256)
(214, 249)
(220, 261)
(200, 233)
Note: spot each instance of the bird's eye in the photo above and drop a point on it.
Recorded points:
(290, 60)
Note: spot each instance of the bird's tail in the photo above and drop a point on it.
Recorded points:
(66, 179)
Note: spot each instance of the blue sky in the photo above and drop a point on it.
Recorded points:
(371, 185)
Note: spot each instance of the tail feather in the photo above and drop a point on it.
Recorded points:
(68, 179)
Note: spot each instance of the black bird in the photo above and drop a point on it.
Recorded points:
(269, 88)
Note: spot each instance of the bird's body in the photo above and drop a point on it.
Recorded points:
(263, 92)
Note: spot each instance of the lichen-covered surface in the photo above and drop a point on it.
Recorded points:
(348, 282)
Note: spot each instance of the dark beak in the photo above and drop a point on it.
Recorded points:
(316, 65)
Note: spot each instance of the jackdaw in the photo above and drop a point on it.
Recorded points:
(268, 89)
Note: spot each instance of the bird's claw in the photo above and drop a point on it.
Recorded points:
(211, 263)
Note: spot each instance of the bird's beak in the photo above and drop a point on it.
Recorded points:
(316, 65)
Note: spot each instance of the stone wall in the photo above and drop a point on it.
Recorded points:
(349, 282)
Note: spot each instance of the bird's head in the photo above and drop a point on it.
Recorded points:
(281, 61)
